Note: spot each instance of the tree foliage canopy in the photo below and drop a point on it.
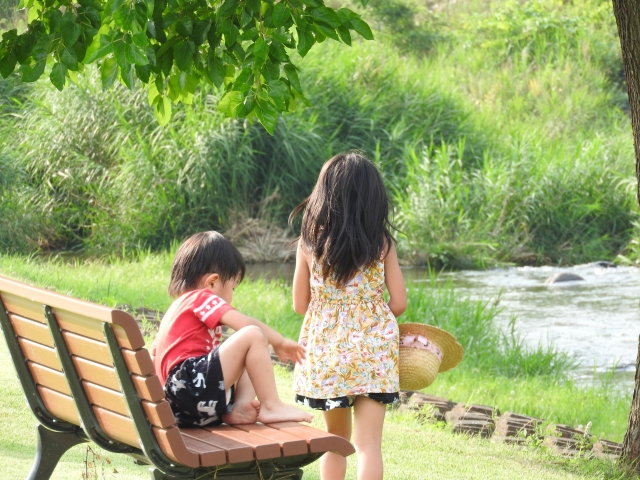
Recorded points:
(174, 45)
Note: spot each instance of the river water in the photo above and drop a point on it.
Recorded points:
(596, 321)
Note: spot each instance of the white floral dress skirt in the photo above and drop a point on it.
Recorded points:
(352, 342)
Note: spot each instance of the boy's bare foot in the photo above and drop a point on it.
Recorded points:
(243, 413)
(281, 412)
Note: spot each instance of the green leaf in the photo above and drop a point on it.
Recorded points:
(108, 72)
(310, 3)
(280, 14)
(362, 28)
(100, 47)
(267, 115)
(327, 31)
(136, 55)
(69, 58)
(260, 52)
(113, 5)
(279, 92)
(7, 64)
(120, 52)
(344, 14)
(124, 17)
(200, 30)
(54, 18)
(228, 8)
(345, 35)
(231, 103)
(292, 75)
(326, 15)
(250, 34)
(143, 72)
(248, 106)
(305, 42)
(162, 109)
(127, 77)
(271, 71)
(215, 70)
(31, 73)
(185, 26)
(364, 2)
(231, 37)
(183, 54)
(149, 4)
(69, 29)
(140, 40)
(58, 75)
(253, 5)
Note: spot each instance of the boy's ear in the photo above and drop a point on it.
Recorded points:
(208, 281)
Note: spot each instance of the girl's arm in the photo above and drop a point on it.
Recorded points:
(395, 283)
(285, 348)
(301, 277)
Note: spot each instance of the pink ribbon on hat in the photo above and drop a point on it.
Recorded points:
(421, 343)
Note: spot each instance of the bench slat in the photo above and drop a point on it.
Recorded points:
(31, 330)
(210, 456)
(28, 301)
(262, 448)
(49, 378)
(40, 354)
(149, 388)
(138, 362)
(318, 441)
(117, 426)
(172, 444)
(158, 414)
(290, 444)
(59, 405)
(237, 452)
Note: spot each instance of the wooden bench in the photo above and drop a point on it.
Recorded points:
(87, 377)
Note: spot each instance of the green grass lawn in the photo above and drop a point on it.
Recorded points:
(411, 450)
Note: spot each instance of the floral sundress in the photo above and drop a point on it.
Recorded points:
(352, 342)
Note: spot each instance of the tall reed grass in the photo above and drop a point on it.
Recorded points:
(500, 128)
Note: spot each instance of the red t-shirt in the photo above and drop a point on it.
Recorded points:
(190, 328)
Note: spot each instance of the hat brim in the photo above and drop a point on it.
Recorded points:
(452, 351)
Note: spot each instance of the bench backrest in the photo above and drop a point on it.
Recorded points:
(85, 365)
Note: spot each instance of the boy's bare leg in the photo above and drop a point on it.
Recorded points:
(248, 348)
(246, 407)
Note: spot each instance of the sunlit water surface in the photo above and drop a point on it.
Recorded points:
(596, 321)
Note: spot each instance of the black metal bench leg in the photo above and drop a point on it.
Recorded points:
(51, 446)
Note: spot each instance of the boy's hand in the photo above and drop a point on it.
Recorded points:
(290, 350)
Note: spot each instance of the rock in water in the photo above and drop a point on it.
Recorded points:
(563, 277)
(604, 264)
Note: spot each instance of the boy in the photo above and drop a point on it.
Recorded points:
(207, 383)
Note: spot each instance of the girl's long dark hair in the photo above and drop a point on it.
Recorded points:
(346, 218)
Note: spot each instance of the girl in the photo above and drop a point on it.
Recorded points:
(206, 382)
(345, 257)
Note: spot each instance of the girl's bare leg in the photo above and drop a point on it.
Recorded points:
(338, 422)
(368, 422)
(248, 348)
(247, 407)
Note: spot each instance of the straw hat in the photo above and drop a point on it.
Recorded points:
(418, 366)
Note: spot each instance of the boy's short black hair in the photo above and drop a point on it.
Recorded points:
(202, 254)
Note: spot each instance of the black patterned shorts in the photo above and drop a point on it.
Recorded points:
(196, 392)
(347, 401)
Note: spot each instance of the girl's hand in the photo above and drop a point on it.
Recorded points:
(290, 350)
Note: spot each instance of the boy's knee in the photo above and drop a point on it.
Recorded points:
(254, 333)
